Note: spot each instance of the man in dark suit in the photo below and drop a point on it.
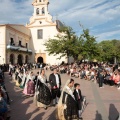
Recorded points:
(55, 82)
(101, 78)
(78, 98)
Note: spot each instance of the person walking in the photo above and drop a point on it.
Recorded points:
(55, 82)
(78, 98)
(44, 96)
(67, 105)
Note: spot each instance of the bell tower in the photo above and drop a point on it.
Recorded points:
(40, 7)
(42, 28)
(40, 14)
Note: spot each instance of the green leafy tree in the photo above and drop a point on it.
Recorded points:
(89, 45)
(68, 44)
(110, 50)
(63, 44)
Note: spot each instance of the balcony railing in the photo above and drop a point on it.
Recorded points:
(18, 48)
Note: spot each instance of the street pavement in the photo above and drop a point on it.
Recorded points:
(103, 103)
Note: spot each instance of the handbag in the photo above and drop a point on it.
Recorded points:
(58, 92)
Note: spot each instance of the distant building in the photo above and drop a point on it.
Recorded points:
(15, 43)
(20, 44)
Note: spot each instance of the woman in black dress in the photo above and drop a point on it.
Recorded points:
(67, 106)
(44, 95)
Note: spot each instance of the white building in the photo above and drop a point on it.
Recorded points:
(39, 29)
(15, 43)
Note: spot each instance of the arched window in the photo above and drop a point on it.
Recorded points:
(43, 10)
(20, 59)
(37, 11)
(12, 58)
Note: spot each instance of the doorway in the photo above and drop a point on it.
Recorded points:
(20, 59)
(40, 60)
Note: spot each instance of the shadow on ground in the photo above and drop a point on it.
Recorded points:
(98, 116)
(113, 110)
(22, 107)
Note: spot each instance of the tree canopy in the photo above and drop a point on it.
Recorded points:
(89, 45)
(63, 43)
(109, 50)
(68, 44)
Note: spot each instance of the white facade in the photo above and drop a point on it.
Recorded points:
(2, 44)
(42, 20)
(40, 29)
(11, 49)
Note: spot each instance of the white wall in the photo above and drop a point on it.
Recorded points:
(49, 31)
(2, 45)
(17, 35)
(38, 44)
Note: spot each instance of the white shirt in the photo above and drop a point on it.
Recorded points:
(92, 73)
(41, 66)
(77, 90)
(87, 72)
(71, 70)
(78, 93)
(57, 79)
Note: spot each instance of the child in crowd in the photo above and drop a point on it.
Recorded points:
(78, 98)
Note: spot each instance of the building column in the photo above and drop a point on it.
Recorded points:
(46, 10)
(16, 58)
(40, 11)
(23, 61)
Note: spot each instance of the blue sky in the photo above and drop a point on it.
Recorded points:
(101, 17)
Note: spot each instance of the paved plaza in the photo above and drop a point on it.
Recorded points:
(103, 103)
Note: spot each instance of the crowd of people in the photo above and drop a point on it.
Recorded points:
(98, 73)
(47, 92)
